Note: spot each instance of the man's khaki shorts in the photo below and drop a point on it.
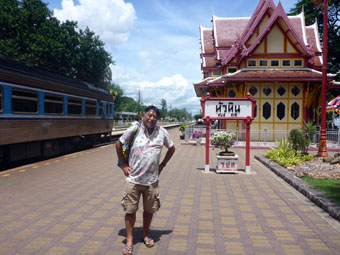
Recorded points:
(151, 201)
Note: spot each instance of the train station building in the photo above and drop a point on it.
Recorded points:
(274, 57)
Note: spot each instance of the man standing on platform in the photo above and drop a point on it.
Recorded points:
(142, 172)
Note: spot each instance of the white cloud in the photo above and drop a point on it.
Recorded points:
(112, 20)
(156, 49)
(176, 90)
(121, 74)
(148, 57)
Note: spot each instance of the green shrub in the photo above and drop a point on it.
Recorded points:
(296, 139)
(285, 155)
(309, 129)
(307, 157)
(182, 128)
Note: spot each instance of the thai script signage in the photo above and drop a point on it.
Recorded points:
(227, 164)
(229, 108)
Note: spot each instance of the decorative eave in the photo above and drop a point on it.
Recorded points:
(215, 68)
(202, 85)
(202, 55)
(293, 74)
(316, 31)
(265, 75)
(202, 38)
(214, 29)
(303, 23)
(334, 85)
(204, 81)
(317, 39)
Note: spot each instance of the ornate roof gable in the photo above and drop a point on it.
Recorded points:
(262, 8)
(260, 11)
(279, 14)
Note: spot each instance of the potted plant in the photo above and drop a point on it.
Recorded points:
(182, 129)
(223, 140)
(197, 136)
(226, 160)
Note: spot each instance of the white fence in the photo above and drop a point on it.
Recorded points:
(127, 123)
(267, 137)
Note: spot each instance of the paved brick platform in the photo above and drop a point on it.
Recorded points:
(71, 205)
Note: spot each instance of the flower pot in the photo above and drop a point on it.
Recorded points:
(197, 140)
(227, 153)
(227, 164)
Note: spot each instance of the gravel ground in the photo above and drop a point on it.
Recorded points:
(318, 169)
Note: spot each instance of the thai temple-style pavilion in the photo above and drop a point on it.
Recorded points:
(274, 57)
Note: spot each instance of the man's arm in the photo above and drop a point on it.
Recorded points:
(166, 159)
(125, 167)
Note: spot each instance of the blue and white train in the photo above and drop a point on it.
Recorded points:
(44, 114)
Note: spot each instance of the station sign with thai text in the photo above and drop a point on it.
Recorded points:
(237, 109)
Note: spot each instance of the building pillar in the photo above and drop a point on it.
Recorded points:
(207, 145)
(323, 143)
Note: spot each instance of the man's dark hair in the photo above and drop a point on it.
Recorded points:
(152, 107)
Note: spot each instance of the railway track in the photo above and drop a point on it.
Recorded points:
(117, 132)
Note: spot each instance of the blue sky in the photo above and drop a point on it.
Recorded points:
(155, 43)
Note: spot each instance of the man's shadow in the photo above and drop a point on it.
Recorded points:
(137, 234)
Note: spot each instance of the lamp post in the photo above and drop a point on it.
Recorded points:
(323, 146)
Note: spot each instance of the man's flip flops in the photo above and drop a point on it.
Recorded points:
(149, 242)
(127, 250)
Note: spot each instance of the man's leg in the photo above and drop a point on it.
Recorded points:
(130, 219)
(147, 218)
(151, 204)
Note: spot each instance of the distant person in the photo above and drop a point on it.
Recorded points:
(214, 123)
(142, 172)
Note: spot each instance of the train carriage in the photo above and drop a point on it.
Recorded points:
(44, 114)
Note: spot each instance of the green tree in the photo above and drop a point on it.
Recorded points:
(312, 13)
(164, 109)
(94, 61)
(31, 35)
(198, 116)
(180, 114)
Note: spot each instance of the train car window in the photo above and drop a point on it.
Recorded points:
(24, 101)
(1, 100)
(107, 110)
(111, 109)
(101, 109)
(90, 108)
(54, 104)
(74, 106)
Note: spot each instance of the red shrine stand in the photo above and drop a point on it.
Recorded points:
(225, 108)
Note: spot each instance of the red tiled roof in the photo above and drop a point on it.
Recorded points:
(297, 25)
(223, 53)
(318, 61)
(220, 48)
(311, 40)
(210, 62)
(227, 30)
(208, 41)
